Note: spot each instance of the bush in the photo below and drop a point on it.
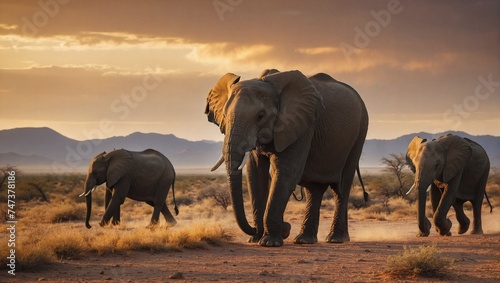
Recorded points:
(67, 212)
(423, 261)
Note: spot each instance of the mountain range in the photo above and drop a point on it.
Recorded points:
(45, 150)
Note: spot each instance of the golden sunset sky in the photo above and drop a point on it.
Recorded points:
(95, 69)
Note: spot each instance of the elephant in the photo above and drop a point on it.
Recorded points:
(142, 176)
(298, 130)
(455, 170)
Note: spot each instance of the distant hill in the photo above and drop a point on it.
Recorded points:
(43, 149)
(46, 150)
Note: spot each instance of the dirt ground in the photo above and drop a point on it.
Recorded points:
(476, 259)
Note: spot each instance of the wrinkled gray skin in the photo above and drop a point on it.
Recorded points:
(306, 131)
(143, 176)
(456, 169)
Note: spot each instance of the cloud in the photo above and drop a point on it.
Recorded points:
(228, 56)
(83, 56)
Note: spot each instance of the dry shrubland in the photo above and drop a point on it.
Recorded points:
(51, 228)
(424, 261)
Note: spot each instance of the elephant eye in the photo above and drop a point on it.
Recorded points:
(260, 116)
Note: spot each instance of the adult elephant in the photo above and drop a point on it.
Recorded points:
(455, 170)
(143, 176)
(306, 131)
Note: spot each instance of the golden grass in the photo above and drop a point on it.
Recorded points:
(67, 212)
(423, 261)
(50, 232)
(45, 244)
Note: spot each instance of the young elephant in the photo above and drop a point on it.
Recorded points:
(455, 170)
(143, 176)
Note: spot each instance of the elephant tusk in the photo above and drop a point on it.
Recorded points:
(428, 188)
(84, 194)
(218, 164)
(245, 159)
(411, 189)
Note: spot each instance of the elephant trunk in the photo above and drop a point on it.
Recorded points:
(90, 184)
(424, 224)
(88, 200)
(422, 197)
(234, 159)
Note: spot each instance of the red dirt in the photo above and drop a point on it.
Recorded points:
(476, 259)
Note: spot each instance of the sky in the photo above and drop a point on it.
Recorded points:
(96, 69)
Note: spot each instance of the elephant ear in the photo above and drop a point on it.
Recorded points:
(119, 164)
(268, 72)
(458, 151)
(412, 151)
(298, 99)
(217, 98)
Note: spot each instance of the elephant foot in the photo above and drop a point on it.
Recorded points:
(255, 238)
(114, 223)
(463, 227)
(423, 234)
(103, 223)
(445, 231)
(477, 231)
(152, 225)
(285, 230)
(337, 239)
(171, 223)
(305, 239)
(271, 241)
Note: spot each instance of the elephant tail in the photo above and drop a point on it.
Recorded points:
(488, 200)
(173, 196)
(365, 194)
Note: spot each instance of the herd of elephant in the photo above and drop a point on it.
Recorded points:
(287, 129)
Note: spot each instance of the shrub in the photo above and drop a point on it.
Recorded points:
(67, 244)
(67, 212)
(423, 261)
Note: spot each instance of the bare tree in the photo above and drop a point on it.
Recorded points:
(395, 164)
(5, 173)
(39, 189)
(220, 196)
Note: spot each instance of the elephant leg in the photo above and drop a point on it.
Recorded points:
(168, 216)
(107, 200)
(309, 231)
(258, 189)
(273, 217)
(477, 227)
(107, 197)
(443, 224)
(462, 219)
(112, 209)
(477, 202)
(116, 217)
(339, 231)
(287, 171)
(435, 196)
(155, 217)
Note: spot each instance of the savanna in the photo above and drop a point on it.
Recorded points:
(53, 245)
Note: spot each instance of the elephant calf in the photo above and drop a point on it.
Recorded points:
(455, 170)
(143, 176)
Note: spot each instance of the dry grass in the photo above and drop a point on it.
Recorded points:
(67, 212)
(423, 261)
(41, 244)
(52, 231)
